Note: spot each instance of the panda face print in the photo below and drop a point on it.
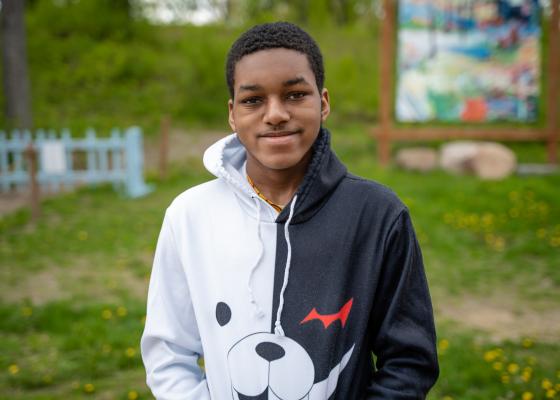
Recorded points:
(265, 366)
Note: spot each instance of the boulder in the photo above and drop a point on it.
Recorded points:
(487, 160)
(421, 159)
(493, 161)
(455, 156)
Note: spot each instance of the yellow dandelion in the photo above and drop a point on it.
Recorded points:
(130, 352)
(550, 393)
(89, 388)
(490, 355)
(82, 235)
(498, 366)
(527, 396)
(557, 387)
(443, 345)
(546, 384)
(121, 311)
(541, 233)
(526, 376)
(472, 220)
(499, 243)
(527, 343)
(555, 241)
(489, 239)
(13, 369)
(26, 311)
(513, 368)
(487, 219)
(107, 314)
(132, 395)
(493, 354)
(505, 378)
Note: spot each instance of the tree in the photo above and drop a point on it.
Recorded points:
(14, 63)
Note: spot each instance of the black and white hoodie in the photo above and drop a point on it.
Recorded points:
(288, 306)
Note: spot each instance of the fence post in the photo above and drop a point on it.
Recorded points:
(135, 185)
(4, 169)
(35, 204)
(164, 147)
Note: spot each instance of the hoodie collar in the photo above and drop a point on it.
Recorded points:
(324, 173)
(225, 159)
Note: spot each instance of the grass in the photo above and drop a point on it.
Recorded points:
(74, 284)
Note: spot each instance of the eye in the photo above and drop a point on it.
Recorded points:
(223, 313)
(296, 95)
(251, 101)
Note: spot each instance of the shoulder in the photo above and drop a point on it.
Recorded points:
(198, 197)
(373, 193)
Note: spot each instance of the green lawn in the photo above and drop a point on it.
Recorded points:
(74, 286)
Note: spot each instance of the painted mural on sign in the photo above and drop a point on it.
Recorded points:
(468, 60)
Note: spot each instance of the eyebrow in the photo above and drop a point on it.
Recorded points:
(295, 81)
(290, 82)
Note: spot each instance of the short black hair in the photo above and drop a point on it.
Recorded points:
(271, 36)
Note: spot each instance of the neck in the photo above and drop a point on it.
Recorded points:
(277, 185)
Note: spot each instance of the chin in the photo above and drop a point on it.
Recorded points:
(281, 163)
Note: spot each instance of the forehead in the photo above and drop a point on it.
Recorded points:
(272, 66)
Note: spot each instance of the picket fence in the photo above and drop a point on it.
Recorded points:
(64, 161)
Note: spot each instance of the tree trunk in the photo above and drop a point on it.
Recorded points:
(14, 59)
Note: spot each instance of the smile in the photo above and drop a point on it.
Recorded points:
(277, 134)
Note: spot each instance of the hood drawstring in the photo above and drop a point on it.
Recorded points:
(277, 325)
(258, 311)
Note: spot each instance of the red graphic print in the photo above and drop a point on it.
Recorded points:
(328, 319)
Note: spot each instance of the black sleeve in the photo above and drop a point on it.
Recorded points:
(402, 325)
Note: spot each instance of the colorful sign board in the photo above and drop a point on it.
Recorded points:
(468, 60)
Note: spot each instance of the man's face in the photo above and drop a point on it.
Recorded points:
(278, 109)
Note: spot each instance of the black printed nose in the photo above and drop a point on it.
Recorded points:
(270, 351)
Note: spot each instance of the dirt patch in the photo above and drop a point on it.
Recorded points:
(503, 319)
(183, 145)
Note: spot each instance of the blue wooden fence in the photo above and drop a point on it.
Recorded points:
(65, 161)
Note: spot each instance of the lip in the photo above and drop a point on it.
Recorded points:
(279, 134)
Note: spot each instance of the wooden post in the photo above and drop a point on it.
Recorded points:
(553, 73)
(164, 147)
(34, 200)
(386, 58)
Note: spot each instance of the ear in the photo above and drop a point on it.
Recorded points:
(231, 120)
(325, 105)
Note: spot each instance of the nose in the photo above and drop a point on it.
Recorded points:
(270, 351)
(276, 113)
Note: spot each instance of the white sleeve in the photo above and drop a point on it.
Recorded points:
(171, 342)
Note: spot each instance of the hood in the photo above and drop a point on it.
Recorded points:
(226, 159)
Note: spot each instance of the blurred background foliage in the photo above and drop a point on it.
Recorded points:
(105, 62)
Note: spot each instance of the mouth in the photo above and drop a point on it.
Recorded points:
(279, 134)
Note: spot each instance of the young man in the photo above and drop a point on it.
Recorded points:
(286, 272)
